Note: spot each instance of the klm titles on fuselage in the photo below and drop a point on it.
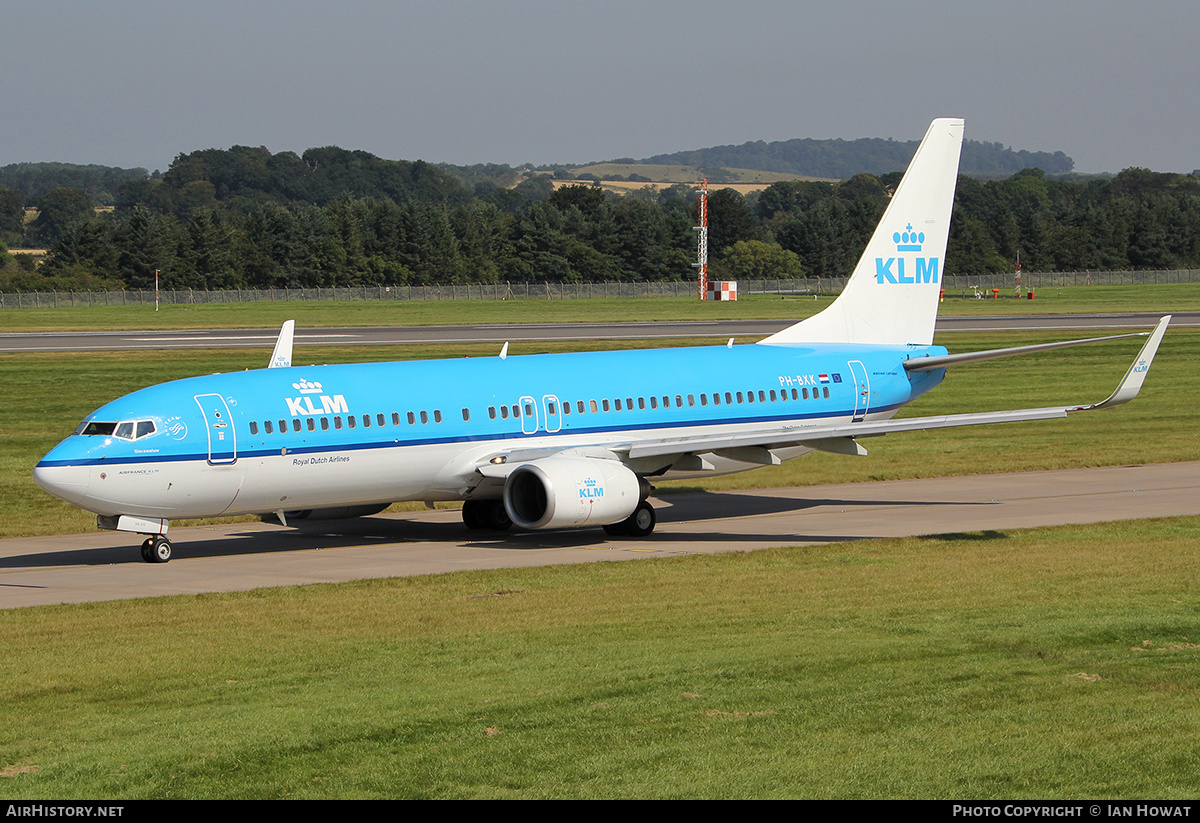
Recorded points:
(299, 406)
(925, 269)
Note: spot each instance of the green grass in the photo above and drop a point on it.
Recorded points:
(56, 392)
(1052, 663)
(1073, 300)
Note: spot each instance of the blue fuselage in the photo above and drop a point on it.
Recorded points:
(302, 437)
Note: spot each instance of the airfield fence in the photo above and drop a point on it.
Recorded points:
(958, 285)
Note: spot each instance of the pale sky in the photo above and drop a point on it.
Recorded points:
(135, 83)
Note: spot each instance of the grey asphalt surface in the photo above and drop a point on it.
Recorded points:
(107, 565)
(746, 330)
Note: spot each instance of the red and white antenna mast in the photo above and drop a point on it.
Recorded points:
(702, 242)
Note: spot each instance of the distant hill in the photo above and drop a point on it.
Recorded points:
(843, 159)
(645, 172)
(35, 179)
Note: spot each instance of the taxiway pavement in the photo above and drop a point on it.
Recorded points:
(107, 565)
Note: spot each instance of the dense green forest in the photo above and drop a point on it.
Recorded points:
(247, 218)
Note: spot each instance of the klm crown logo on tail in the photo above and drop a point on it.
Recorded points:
(923, 269)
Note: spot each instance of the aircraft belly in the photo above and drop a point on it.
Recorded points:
(167, 489)
(350, 477)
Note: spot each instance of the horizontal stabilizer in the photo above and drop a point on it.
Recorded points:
(931, 363)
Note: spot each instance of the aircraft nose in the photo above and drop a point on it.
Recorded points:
(68, 483)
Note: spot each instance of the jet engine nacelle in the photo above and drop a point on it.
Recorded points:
(564, 492)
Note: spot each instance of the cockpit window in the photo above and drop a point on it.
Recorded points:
(97, 428)
(126, 430)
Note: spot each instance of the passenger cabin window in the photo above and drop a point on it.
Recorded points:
(253, 427)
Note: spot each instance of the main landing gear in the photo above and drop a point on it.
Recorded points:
(479, 515)
(156, 549)
(638, 524)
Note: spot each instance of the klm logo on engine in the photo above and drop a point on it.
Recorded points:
(590, 490)
(304, 404)
(892, 270)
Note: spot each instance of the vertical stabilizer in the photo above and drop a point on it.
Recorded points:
(892, 296)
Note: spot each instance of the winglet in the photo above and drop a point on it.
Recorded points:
(281, 358)
(1131, 383)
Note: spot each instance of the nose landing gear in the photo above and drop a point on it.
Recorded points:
(156, 549)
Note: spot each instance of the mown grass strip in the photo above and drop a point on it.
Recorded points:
(1050, 663)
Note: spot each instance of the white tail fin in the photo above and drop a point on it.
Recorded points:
(892, 296)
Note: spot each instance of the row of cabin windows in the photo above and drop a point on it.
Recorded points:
(352, 421)
(582, 407)
(730, 398)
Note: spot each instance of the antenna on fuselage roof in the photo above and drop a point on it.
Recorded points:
(504, 350)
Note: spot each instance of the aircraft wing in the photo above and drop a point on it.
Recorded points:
(839, 437)
(758, 446)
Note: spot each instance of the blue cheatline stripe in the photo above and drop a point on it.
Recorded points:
(392, 443)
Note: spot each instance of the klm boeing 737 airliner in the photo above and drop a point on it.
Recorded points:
(545, 441)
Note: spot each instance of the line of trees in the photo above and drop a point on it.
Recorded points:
(244, 217)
